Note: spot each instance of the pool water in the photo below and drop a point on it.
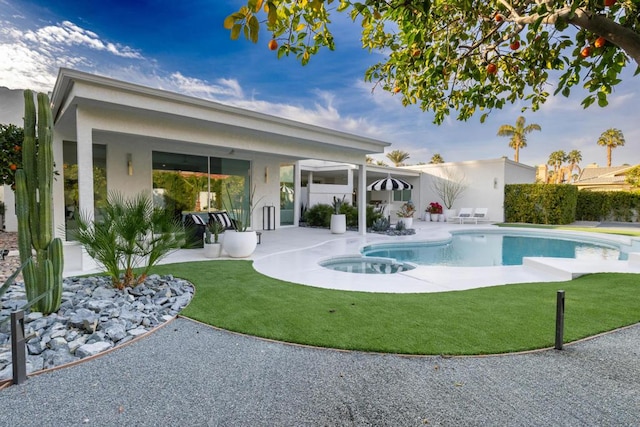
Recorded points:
(363, 265)
(493, 249)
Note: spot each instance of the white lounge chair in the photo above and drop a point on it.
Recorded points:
(464, 214)
(480, 214)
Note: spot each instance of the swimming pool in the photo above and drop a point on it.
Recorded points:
(496, 248)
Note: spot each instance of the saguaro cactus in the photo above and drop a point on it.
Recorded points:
(39, 252)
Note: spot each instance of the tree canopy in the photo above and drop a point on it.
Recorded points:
(465, 56)
(11, 138)
(518, 134)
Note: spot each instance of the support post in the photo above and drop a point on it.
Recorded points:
(18, 347)
(559, 320)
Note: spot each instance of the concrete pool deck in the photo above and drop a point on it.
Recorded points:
(292, 254)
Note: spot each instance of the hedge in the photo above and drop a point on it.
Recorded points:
(540, 203)
(608, 206)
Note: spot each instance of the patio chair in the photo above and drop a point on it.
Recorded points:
(480, 214)
(464, 214)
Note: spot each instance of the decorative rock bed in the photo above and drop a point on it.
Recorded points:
(92, 318)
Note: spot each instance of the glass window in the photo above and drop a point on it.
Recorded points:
(188, 183)
(286, 194)
(401, 195)
(70, 178)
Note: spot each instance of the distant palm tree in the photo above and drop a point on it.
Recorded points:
(397, 157)
(370, 160)
(611, 138)
(556, 159)
(436, 159)
(381, 163)
(574, 157)
(518, 135)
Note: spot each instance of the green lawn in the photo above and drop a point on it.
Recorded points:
(233, 296)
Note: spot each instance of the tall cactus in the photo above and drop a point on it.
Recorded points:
(39, 252)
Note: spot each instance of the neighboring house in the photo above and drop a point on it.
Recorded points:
(594, 178)
(113, 135)
(484, 180)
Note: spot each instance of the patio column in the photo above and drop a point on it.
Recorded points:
(84, 135)
(297, 188)
(362, 199)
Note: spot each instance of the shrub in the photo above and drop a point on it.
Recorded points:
(131, 233)
(319, 215)
(613, 205)
(540, 203)
(380, 224)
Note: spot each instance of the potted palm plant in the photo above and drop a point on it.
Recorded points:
(338, 220)
(212, 246)
(240, 242)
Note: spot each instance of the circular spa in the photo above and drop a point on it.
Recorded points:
(497, 248)
(366, 265)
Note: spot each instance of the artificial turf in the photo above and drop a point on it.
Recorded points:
(508, 318)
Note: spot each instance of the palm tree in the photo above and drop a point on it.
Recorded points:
(436, 159)
(556, 159)
(518, 134)
(370, 160)
(397, 157)
(574, 157)
(381, 163)
(611, 138)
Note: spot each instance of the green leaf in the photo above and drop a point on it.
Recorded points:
(235, 31)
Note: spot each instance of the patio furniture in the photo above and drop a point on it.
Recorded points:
(464, 214)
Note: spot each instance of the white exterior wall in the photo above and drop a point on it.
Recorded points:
(485, 181)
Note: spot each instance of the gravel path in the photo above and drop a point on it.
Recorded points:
(188, 374)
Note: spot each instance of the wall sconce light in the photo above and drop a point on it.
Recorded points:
(495, 182)
(266, 174)
(129, 164)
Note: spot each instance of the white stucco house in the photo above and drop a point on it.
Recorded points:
(130, 138)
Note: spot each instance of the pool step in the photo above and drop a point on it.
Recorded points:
(543, 264)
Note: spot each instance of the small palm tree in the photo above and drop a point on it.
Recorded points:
(398, 157)
(518, 135)
(436, 159)
(370, 160)
(574, 157)
(381, 163)
(611, 138)
(556, 159)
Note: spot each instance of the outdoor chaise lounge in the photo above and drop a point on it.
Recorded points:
(465, 213)
(471, 215)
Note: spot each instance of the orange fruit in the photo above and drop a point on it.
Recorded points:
(17, 148)
(273, 45)
(499, 18)
(515, 45)
(13, 166)
(396, 89)
(609, 3)
(586, 52)
(600, 42)
(492, 69)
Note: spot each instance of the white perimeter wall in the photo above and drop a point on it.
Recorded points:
(485, 180)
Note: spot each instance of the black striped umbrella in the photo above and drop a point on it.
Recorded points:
(389, 184)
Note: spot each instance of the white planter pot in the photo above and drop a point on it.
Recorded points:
(441, 218)
(434, 217)
(408, 222)
(212, 250)
(449, 213)
(239, 244)
(338, 223)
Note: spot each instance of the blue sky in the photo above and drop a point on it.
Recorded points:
(182, 47)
